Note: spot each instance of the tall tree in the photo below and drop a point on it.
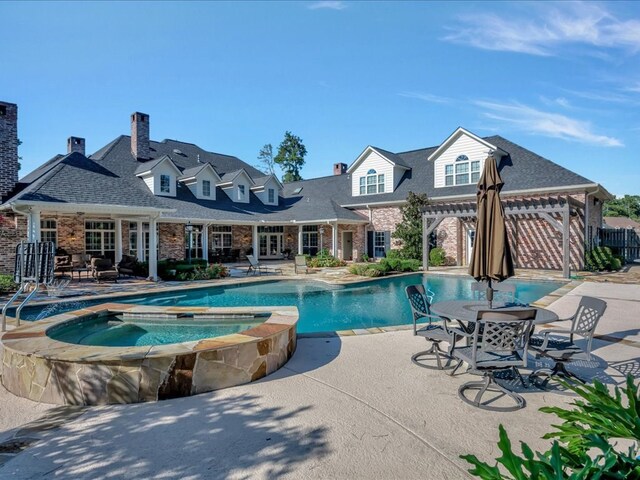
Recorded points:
(627, 206)
(409, 230)
(266, 161)
(290, 157)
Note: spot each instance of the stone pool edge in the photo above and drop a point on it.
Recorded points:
(37, 367)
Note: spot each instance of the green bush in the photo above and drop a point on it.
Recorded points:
(410, 265)
(324, 259)
(365, 257)
(583, 446)
(600, 259)
(437, 257)
(392, 263)
(7, 284)
(204, 273)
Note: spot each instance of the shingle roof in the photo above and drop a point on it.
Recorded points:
(149, 165)
(395, 158)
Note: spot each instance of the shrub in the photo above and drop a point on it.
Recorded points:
(410, 265)
(437, 257)
(7, 284)
(599, 259)
(583, 446)
(204, 273)
(392, 263)
(324, 259)
(365, 257)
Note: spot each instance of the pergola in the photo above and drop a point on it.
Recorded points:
(433, 214)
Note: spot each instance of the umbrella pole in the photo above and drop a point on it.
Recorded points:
(490, 294)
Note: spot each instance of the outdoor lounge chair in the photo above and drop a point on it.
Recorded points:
(127, 265)
(301, 264)
(500, 342)
(435, 333)
(102, 269)
(258, 269)
(562, 349)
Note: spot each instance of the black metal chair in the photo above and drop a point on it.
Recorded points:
(433, 332)
(562, 349)
(500, 342)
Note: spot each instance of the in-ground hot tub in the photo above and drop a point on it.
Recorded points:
(167, 352)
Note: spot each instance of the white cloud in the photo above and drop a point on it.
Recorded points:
(559, 101)
(531, 120)
(426, 97)
(328, 4)
(545, 29)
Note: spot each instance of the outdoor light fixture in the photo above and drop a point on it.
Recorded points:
(321, 231)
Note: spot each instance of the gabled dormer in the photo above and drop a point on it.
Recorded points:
(267, 189)
(237, 185)
(160, 175)
(460, 159)
(201, 180)
(376, 171)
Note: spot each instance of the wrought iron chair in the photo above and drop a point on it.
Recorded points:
(562, 349)
(433, 332)
(500, 342)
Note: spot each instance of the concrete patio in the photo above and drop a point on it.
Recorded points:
(343, 407)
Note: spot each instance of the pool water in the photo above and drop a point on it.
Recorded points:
(321, 307)
(114, 331)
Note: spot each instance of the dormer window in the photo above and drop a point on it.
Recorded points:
(165, 183)
(462, 172)
(371, 183)
(240, 192)
(272, 195)
(206, 188)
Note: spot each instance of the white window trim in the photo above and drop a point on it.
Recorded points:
(378, 183)
(102, 232)
(203, 192)
(163, 175)
(241, 192)
(53, 230)
(271, 195)
(454, 174)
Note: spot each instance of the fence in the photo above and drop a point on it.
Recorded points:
(622, 241)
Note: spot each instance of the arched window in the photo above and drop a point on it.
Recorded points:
(372, 183)
(461, 172)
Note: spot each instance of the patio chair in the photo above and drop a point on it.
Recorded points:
(127, 265)
(562, 349)
(257, 268)
(103, 269)
(301, 263)
(432, 332)
(500, 342)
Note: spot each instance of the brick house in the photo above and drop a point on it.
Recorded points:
(109, 202)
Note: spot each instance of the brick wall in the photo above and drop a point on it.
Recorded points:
(70, 233)
(385, 219)
(171, 241)
(359, 240)
(8, 147)
(291, 238)
(13, 229)
(242, 238)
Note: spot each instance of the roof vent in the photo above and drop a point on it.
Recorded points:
(177, 151)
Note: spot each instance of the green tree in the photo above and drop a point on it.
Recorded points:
(266, 161)
(290, 157)
(627, 206)
(410, 229)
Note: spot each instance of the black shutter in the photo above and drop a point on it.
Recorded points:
(370, 244)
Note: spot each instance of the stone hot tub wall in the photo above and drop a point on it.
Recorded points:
(37, 367)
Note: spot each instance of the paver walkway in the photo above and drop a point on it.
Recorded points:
(350, 407)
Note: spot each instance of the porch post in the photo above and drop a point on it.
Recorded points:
(118, 240)
(299, 239)
(33, 226)
(205, 242)
(140, 245)
(334, 239)
(153, 253)
(566, 252)
(425, 244)
(254, 240)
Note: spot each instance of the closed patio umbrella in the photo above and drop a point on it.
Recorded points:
(491, 256)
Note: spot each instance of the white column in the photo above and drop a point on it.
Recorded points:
(299, 239)
(118, 239)
(33, 226)
(153, 254)
(335, 239)
(254, 241)
(140, 245)
(205, 241)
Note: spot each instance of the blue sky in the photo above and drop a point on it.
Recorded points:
(562, 79)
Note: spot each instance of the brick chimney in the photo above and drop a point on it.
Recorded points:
(8, 147)
(140, 136)
(75, 144)
(339, 168)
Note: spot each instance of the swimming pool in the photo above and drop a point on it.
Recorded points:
(322, 307)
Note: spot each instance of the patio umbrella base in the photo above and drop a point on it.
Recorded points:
(434, 352)
(558, 370)
(489, 384)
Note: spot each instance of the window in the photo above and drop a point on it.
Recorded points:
(272, 195)
(100, 238)
(221, 237)
(271, 229)
(240, 192)
(165, 183)
(379, 244)
(310, 239)
(462, 172)
(372, 183)
(48, 231)
(193, 241)
(206, 188)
